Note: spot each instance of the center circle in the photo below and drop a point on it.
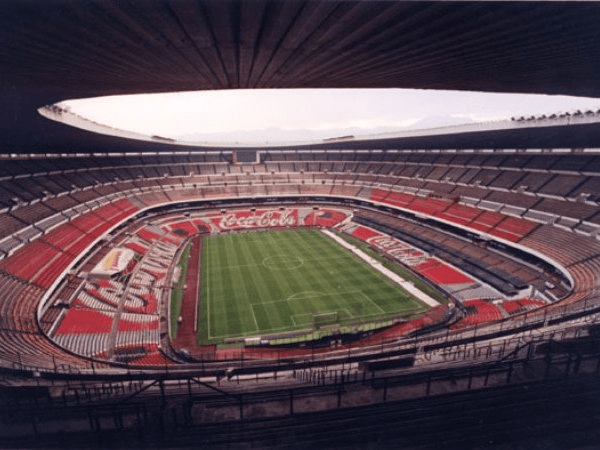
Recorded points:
(282, 262)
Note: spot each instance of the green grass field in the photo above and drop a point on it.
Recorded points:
(260, 283)
(177, 291)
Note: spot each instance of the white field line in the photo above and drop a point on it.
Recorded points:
(301, 296)
(296, 315)
(316, 295)
(407, 285)
(253, 334)
(376, 305)
(198, 288)
(325, 258)
(208, 292)
(254, 317)
(350, 315)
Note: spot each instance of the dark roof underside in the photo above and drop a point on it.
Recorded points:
(60, 49)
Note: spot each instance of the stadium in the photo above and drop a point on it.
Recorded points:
(427, 289)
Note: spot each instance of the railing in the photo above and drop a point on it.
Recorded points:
(551, 314)
(551, 322)
(163, 408)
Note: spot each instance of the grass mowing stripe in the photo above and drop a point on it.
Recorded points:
(177, 292)
(403, 272)
(239, 315)
(277, 280)
(313, 278)
(244, 319)
(203, 313)
(226, 320)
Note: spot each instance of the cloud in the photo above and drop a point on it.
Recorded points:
(178, 114)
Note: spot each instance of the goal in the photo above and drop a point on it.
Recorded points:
(324, 319)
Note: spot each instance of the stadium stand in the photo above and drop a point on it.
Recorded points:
(85, 321)
(441, 274)
(9, 225)
(478, 312)
(510, 228)
(325, 218)
(468, 258)
(26, 262)
(504, 220)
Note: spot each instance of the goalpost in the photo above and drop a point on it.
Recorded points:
(325, 319)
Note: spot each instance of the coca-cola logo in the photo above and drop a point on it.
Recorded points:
(264, 220)
(390, 245)
(383, 242)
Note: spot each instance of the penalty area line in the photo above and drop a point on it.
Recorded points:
(373, 303)
(254, 317)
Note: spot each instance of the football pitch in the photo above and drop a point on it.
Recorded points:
(260, 283)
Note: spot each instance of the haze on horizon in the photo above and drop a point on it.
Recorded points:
(279, 115)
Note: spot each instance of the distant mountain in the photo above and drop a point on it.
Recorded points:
(439, 121)
(274, 134)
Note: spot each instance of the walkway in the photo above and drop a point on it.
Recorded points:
(407, 285)
(186, 338)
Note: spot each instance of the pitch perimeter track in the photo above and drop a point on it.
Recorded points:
(406, 285)
(186, 331)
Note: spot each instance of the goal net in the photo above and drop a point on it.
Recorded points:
(325, 319)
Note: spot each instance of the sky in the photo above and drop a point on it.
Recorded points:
(288, 113)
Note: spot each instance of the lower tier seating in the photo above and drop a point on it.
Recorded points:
(462, 254)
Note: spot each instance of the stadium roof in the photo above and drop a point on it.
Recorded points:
(53, 50)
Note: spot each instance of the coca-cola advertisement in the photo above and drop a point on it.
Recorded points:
(257, 219)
